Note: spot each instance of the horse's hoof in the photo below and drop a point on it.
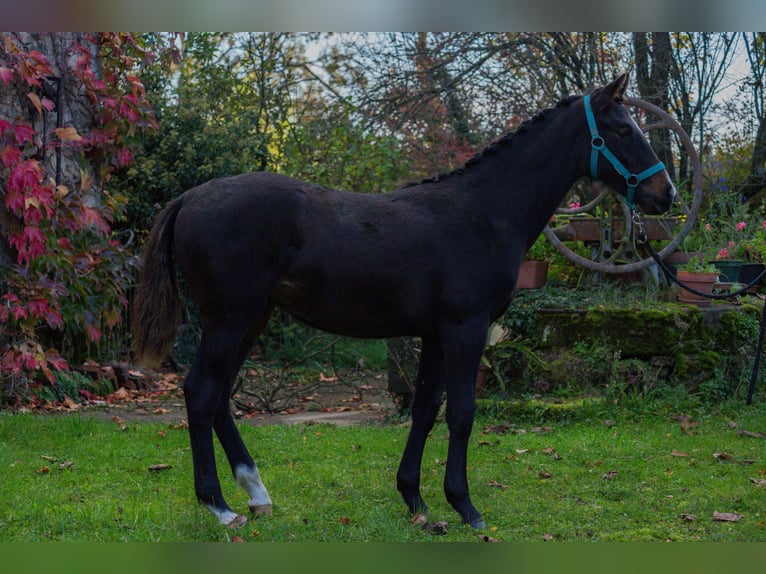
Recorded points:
(478, 524)
(238, 521)
(261, 509)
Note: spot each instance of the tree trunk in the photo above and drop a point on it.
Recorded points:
(653, 77)
(753, 188)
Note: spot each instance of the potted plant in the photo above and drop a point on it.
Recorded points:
(698, 275)
(533, 272)
(752, 252)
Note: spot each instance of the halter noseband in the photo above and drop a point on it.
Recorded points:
(598, 146)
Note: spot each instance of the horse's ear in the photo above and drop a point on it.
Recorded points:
(614, 92)
(617, 88)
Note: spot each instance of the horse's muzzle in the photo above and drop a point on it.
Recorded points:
(657, 194)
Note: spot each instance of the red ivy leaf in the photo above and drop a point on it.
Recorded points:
(124, 157)
(94, 334)
(6, 75)
(10, 155)
(19, 312)
(23, 133)
(95, 218)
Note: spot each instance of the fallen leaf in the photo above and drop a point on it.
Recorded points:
(122, 424)
(44, 470)
(552, 452)
(485, 538)
(440, 528)
(70, 404)
(522, 450)
(160, 411)
(686, 426)
(159, 467)
(678, 453)
(544, 475)
(726, 516)
(722, 456)
(733, 425)
(687, 517)
(496, 429)
(751, 433)
(120, 394)
(610, 475)
(66, 464)
(344, 520)
(237, 539)
(48, 458)
(757, 481)
(488, 443)
(547, 536)
(497, 484)
(323, 379)
(541, 429)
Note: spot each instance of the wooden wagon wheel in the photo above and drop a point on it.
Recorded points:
(608, 258)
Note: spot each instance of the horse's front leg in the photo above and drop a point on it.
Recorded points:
(429, 386)
(463, 346)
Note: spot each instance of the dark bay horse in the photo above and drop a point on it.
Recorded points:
(438, 260)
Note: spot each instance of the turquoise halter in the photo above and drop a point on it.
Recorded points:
(598, 146)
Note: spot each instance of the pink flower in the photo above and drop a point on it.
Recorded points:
(707, 226)
(740, 226)
(764, 224)
(723, 253)
(576, 205)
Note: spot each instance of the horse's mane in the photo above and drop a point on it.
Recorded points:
(500, 143)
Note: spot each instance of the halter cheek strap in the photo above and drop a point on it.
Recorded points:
(598, 146)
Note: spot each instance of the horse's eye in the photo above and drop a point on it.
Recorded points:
(624, 131)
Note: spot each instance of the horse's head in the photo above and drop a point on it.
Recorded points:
(621, 155)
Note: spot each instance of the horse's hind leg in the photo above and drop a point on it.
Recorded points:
(425, 407)
(206, 391)
(243, 467)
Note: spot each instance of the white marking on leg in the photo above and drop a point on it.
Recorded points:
(249, 479)
(227, 517)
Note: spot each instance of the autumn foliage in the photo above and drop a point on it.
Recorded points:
(68, 276)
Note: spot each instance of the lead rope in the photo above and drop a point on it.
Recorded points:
(643, 240)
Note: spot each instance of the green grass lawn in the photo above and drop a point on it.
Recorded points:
(631, 478)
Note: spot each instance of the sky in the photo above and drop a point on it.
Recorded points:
(383, 15)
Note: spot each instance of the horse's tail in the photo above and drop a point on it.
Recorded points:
(157, 307)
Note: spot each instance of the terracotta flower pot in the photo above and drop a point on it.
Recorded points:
(702, 282)
(532, 274)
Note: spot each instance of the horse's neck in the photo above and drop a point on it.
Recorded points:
(524, 182)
